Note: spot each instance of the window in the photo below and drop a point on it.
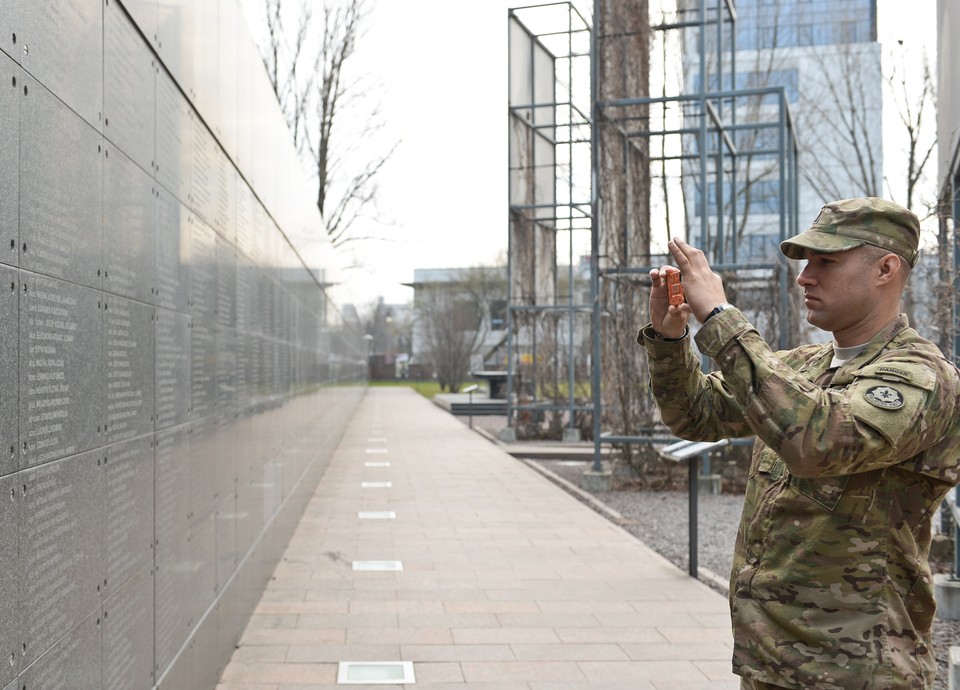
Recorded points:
(848, 32)
(805, 35)
(498, 314)
(768, 37)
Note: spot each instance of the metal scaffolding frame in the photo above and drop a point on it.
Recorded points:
(714, 133)
(548, 198)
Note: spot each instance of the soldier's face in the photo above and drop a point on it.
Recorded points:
(836, 292)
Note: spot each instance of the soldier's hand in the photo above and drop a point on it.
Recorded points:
(668, 320)
(703, 288)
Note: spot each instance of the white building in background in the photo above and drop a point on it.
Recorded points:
(489, 310)
(948, 123)
(826, 56)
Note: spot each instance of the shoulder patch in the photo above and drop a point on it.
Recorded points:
(887, 372)
(884, 397)
(920, 376)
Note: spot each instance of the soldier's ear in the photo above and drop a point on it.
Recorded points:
(890, 267)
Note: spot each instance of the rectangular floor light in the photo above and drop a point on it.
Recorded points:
(378, 566)
(377, 515)
(375, 673)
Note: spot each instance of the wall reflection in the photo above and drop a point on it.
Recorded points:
(173, 377)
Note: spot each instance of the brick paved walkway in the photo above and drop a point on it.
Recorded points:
(507, 581)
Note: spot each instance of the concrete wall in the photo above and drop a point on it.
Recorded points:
(166, 395)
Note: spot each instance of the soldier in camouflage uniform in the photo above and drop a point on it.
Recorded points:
(856, 445)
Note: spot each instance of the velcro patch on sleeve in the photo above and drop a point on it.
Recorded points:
(889, 398)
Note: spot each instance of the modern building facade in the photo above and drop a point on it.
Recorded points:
(826, 57)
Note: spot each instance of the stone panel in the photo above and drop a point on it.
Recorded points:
(11, 633)
(73, 662)
(178, 30)
(173, 390)
(128, 510)
(129, 229)
(129, 72)
(129, 345)
(61, 541)
(227, 554)
(226, 401)
(202, 259)
(231, 18)
(244, 219)
(226, 310)
(243, 372)
(203, 369)
(61, 45)
(203, 469)
(9, 350)
(225, 203)
(172, 487)
(209, 661)
(173, 244)
(11, 81)
(61, 196)
(61, 392)
(205, 66)
(145, 13)
(246, 282)
(202, 197)
(173, 597)
(180, 674)
(128, 635)
(202, 574)
(173, 155)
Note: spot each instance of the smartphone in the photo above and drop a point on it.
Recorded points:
(675, 289)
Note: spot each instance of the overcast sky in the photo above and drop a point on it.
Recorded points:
(442, 70)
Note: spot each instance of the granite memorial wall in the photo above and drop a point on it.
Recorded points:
(170, 389)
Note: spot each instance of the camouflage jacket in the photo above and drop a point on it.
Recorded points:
(831, 586)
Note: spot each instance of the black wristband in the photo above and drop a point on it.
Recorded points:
(717, 309)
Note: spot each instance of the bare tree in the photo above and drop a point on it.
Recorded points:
(845, 160)
(624, 183)
(454, 318)
(308, 59)
(916, 104)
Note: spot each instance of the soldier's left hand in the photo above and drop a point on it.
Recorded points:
(702, 287)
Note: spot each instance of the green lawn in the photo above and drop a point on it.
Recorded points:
(427, 389)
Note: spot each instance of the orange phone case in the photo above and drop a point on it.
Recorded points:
(675, 289)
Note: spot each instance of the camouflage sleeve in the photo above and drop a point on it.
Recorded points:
(865, 425)
(694, 406)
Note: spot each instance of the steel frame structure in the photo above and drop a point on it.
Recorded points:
(715, 143)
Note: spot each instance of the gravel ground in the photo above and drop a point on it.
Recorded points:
(660, 520)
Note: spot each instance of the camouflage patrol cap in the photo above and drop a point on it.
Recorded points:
(850, 223)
